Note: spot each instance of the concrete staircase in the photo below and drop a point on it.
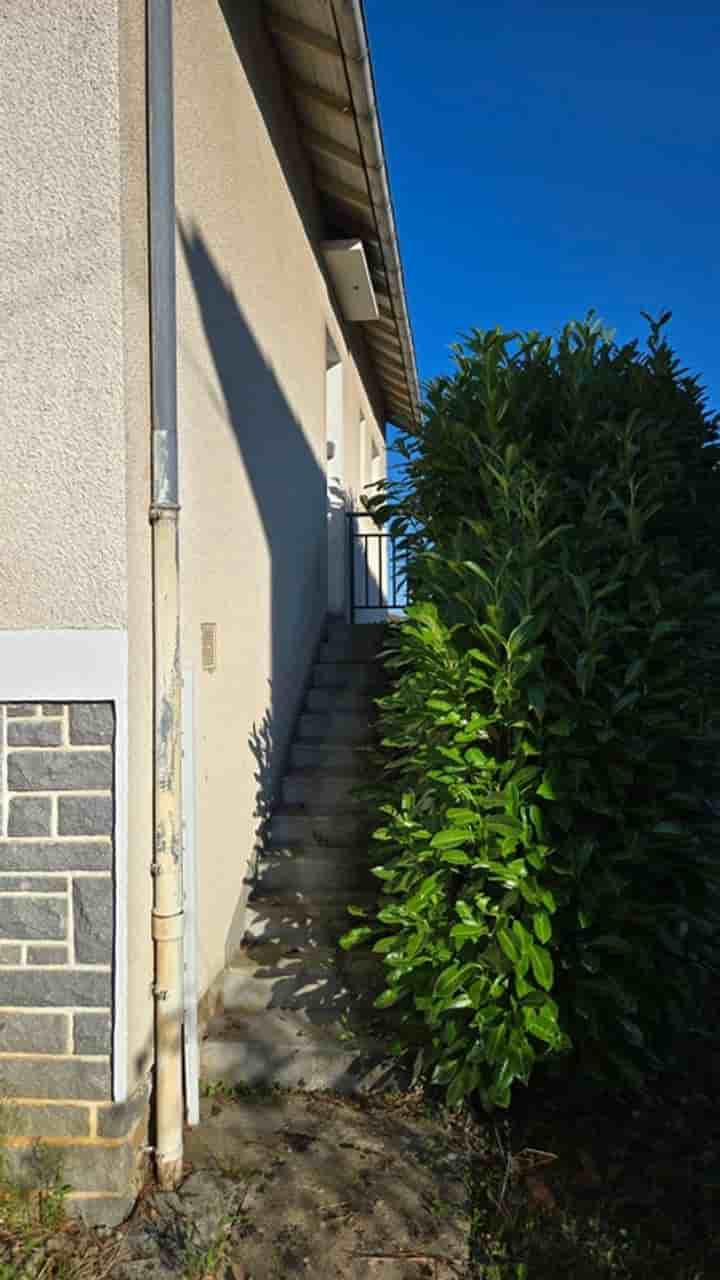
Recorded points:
(298, 1009)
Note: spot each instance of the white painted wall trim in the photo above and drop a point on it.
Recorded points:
(191, 1046)
(85, 666)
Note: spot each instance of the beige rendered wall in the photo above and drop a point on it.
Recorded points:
(253, 310)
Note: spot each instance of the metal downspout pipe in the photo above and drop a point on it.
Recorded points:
(167, 909)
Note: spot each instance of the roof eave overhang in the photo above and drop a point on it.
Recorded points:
(323, 50)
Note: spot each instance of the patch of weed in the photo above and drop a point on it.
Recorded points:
(203, 1258)
(32, 1208)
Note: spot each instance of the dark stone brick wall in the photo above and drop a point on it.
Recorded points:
(57, 950)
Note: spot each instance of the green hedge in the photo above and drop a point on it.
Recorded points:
(550, 745)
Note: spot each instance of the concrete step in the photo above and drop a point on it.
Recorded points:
(322, 791)
(290, 1049)
(363, 639)
(293, 870)
(293, 825)
(339, 629)
(352, 649)
(301, 923)
(324, 982)
(335, 726)
(292, 995)
(342, 699)
(346, 675)
(272, 979)
(344, 756)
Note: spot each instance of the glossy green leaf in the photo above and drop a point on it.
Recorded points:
(355, 936)
(542, 926)
(509, 946)
(542, 1024)
(547, 789)
(548, 899)
(387, 998)
(451, 837)
(542, 967)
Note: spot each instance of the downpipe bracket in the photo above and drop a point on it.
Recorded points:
(163, 511)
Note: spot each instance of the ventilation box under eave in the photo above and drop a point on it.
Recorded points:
(349, 272)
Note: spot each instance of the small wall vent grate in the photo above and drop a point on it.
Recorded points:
(208, 639)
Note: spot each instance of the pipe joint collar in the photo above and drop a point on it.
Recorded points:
(167, 928)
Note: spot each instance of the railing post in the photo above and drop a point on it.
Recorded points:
(350, 516)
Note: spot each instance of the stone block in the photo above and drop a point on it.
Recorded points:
(22, 708)
(32, 1033)
(91, 723)
(31, 884)
(44, 1120)
(27, 917)
(60, 770)
(87, 1079)
(64, 988)
(52, 708)
(29, 815)
(101, 1211)
(92, 1034)
(34, 733)
(93, 916)
(85, 1167)
(85, 815)
(47, 955)
(107, 1168)
(10, 954)
(70, 855)
(120, 1118)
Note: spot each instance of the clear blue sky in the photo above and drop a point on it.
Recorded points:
(548, 157)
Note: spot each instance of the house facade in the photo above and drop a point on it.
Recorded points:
(204, 333)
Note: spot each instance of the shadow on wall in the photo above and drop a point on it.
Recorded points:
(290, 493)
(289, 490)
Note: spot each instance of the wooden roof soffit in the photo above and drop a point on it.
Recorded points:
(323, 51)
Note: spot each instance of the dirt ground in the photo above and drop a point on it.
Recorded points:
(290, 1184)
(337, 1188)
(572, 1184)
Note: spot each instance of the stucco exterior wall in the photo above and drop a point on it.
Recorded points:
(62, 444)
(254, 312)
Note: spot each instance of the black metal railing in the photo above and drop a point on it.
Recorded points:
(377, 569)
